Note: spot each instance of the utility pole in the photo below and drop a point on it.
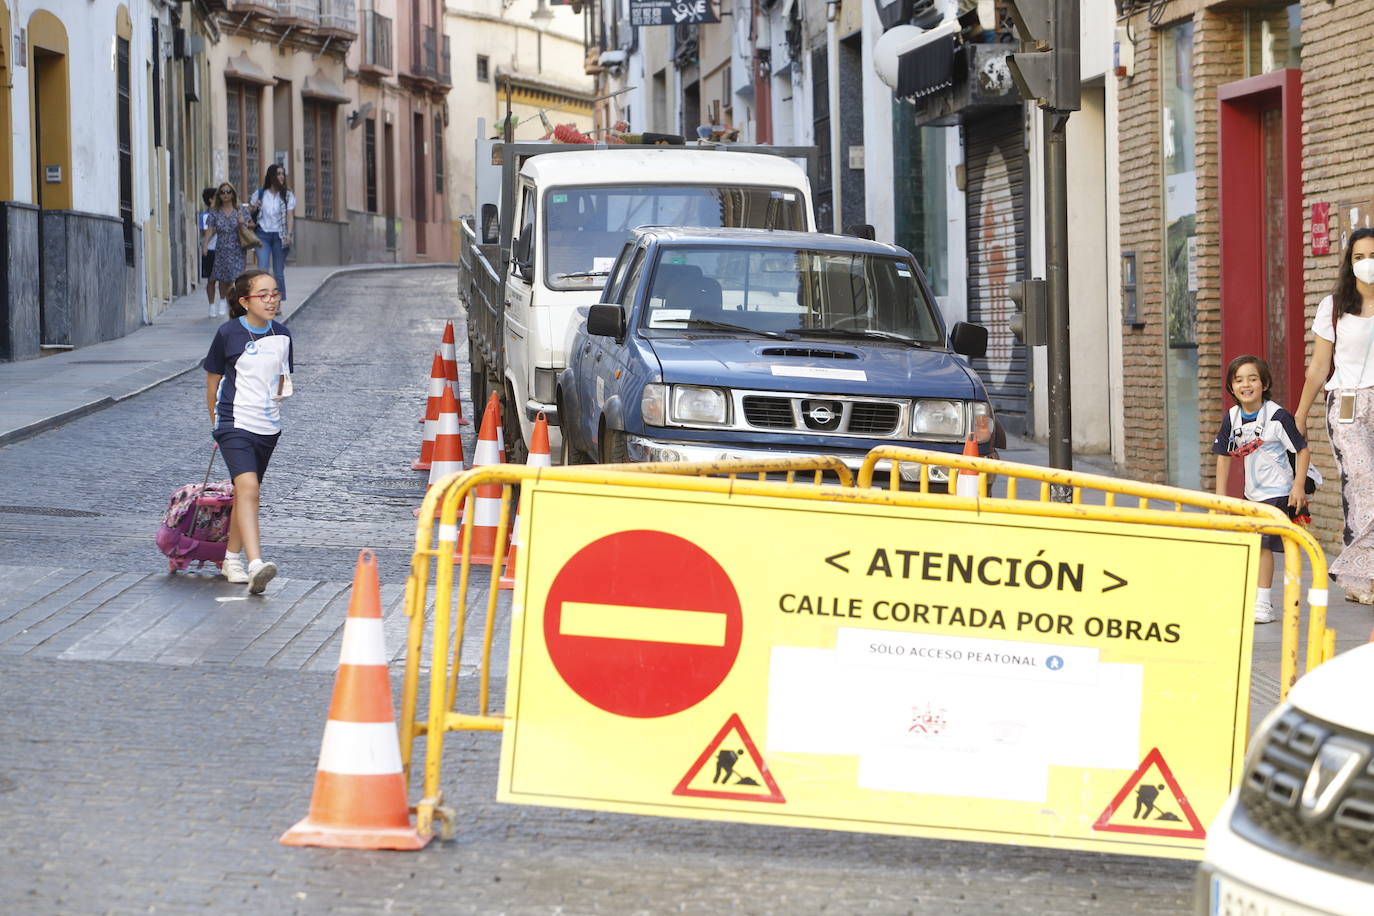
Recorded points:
(1046, 71)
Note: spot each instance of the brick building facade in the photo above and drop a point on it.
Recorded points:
(1274, 128)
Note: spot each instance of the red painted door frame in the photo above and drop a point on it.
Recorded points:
(1239, 144)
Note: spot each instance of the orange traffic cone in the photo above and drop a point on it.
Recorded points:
(432, 406)
(967, 485)
(483, 511)
(539, 458)
(494, 406)
(448, 445)
(360, 794)
(449, 350)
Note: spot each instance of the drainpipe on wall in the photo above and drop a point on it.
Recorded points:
(832, 80)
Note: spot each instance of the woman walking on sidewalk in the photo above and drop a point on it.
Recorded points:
(223, 226)
(1343, 366)
(248, 372)
(276, 223)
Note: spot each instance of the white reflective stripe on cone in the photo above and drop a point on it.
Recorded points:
(438, 470)
(447, 425)
(486, 453)
(363, 643)
(448, 533)
(540, 461)
(436, 386)
(488, 511)
(360, 748)
(967, 485)
(515, 533)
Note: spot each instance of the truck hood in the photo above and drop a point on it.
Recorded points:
(819, 366)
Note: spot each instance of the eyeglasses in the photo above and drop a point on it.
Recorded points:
(267, 297)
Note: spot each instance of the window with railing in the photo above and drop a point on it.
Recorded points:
(438, 154)
(445, 61)
(431, 68)
(241, 108)
(340, 15)
(376, 40)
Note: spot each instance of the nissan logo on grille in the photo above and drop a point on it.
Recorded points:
(822, 415)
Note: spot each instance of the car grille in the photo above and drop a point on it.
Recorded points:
(839, 416)
(1273, 813)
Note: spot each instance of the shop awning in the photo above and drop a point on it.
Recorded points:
(242, 68)
(324, 89)
(927, 69)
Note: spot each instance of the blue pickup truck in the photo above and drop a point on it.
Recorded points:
(733, 343)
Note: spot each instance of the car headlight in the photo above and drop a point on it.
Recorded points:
(938, 418)
(653, 404)
(982, 421)
(692, 404)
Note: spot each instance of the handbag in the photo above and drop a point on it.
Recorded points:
(248, 239)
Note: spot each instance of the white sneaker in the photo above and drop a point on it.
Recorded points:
(233, 570)
(1264, 612)
(260, 572)
(214, 309)
(223, 308)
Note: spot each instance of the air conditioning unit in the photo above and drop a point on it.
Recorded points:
(186, 44)
(191, 79)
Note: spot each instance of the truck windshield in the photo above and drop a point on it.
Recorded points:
(809, 293)
(585, 227)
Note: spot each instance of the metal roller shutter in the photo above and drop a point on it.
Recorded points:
(995, 192)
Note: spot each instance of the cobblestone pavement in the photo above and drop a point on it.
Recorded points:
(155, 740)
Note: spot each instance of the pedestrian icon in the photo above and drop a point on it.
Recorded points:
(1054, 663)
(1160, 808)
(739, 771)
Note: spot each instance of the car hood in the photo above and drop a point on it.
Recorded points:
(1339, 690)
(819, 366)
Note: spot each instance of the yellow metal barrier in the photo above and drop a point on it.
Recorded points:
(437, 543)
(1223, 513)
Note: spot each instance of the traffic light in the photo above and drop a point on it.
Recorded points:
(1046, 68)
(1031, 323)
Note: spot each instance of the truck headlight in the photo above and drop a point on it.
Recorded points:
(653, 404)
(982, 421)
(692, 404)
(938, 418)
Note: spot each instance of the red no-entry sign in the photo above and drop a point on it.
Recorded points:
(642, 623)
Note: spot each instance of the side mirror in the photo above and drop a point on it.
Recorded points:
(862, 231)
(490, 225)
(521, 253)
(970, 340)
(606, 321)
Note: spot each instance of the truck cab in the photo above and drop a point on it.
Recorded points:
(569, 217)
(717, 344)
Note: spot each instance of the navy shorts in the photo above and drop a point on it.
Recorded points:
(245, 452)
(1273, 541)
(207, 265)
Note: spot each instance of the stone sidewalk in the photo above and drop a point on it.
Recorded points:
(43, 393)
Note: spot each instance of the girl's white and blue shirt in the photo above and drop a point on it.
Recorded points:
(252, 361)
(1263, 439)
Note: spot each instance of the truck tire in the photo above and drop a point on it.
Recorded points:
(517, 451)
(613, 447)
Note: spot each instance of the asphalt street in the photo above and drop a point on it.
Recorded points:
(158, 733)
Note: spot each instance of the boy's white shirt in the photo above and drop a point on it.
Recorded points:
(1268, 474)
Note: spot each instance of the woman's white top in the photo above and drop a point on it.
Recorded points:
(1354, 356)
(272, 216)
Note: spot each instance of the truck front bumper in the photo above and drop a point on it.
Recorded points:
(640, 448)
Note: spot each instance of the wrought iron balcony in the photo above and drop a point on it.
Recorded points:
(445, 60)
(339, 17)
(431, 68)
(297, 12)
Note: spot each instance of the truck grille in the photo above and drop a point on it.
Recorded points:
(1271, 811)
(769, 413)
(838, 416)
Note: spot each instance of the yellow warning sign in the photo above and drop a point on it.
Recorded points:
(927, 672)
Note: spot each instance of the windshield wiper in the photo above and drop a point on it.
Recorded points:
(582, 273)
(869, 334)
(726, 326)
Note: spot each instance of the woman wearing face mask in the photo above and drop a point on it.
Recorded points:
(1343, 366)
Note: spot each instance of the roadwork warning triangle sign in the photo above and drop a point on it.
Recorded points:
(730, 767)
(1159, 808)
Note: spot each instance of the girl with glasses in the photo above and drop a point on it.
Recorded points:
(248, 372)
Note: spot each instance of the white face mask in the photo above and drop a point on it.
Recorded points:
(1364, 270)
